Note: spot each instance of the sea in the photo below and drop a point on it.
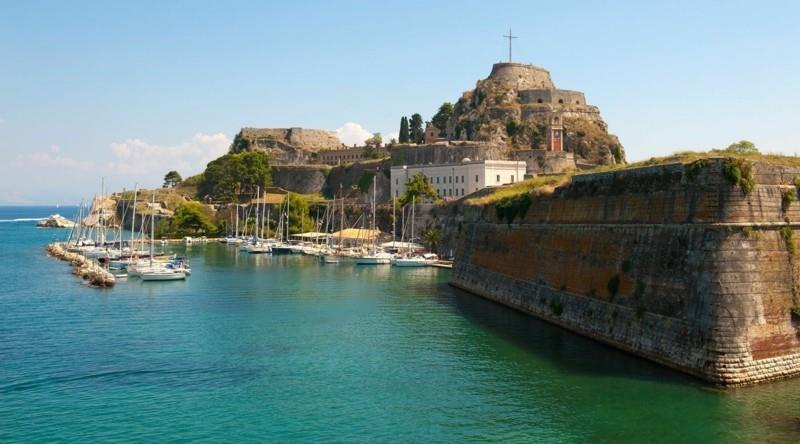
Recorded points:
(256, 348)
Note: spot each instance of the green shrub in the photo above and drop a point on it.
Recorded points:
(787, 197)
(509, 208)
(739, 172)
(692, 170)
(788, 237)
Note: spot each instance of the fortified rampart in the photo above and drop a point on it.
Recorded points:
(305, 139)
(521, 76)
(672, 263)
(437, 153)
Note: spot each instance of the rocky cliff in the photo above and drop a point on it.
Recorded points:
(286, 145)
(687, 265)
(513, 106)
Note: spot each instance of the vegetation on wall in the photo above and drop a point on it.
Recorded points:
(239, 144)
(365, 181)
(787, 198)
(299, 219)
(788, 237)
(739, 172)
(510, 207)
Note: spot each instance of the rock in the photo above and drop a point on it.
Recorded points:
(55, 221)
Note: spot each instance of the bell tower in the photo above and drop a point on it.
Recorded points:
(555, 135)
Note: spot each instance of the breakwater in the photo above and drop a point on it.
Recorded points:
(673, 263)
(82, 267)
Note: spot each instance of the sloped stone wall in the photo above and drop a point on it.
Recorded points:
(683, 269)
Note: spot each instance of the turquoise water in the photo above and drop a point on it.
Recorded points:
(266, 349)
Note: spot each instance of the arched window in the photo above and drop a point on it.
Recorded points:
(577, 102)
(539, 100)
(561, 101)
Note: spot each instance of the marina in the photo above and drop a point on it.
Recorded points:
(284, 348)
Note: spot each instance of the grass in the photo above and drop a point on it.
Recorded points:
(541, 185)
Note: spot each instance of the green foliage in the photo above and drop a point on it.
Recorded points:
(234, 175)
(432, 237)
(365, 181)
(797, 182)
(171, 179)
(239, 144)
(193, 180)
(692, 170)
(441, 117)
(788, 237)
(787, 197)
(192, 217)
(743, 147)
(513, 127)
(404, 136)
(374, 142)
(417, 189)
(510, 207)
(299, 219)
(616, 151)
(739, 172)
(417, 132)
(613, 286)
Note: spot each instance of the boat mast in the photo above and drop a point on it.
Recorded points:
(152, 226)
(341, 225)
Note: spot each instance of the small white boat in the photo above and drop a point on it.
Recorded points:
(378, 258)
(164, 274)
(415, 261)
(329, 259)
(259, 248)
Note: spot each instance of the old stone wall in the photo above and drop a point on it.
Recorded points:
(305, 179)
(439, 153)
(545, 162)
(521, 76)
(672, 263)
(302, 138)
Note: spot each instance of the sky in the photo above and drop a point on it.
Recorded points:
(126, 91)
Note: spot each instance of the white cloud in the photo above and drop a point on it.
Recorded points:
(352, 133)
(135, 156)
(55, 148)
(2, 120)
(51, 160)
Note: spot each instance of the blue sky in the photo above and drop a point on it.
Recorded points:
(126, 90)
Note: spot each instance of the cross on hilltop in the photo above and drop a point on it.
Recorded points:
(509, 37)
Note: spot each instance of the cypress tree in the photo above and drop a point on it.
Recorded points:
(417, 131)
(403, 137)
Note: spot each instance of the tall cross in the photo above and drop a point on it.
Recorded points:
(510, 36)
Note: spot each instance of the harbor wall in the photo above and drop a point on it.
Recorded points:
(672, 263)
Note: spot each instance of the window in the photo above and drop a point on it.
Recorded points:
(456, 179)
(437, 179)
(450, 179)
(396, 193)
(397, 181)
(462, 179)
(539, 100)
(476, 178)
(512, 178)
(498, 178)
(560, 100)
(462, 191)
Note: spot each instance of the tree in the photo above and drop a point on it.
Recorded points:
(432, 236)
(742, 147)
(299, 220)
(417, 131)
(376, 141)
(191, 217)
(171, 179)
(404, 134)
(234, 175)
(441, 117)
(417, 189)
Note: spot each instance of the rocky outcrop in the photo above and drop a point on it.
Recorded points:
(55, 221)
(673, 263)
(514, 105)
(286, 145)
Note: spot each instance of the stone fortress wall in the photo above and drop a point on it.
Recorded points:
(671, 263)
(312, 140)
(522, 76)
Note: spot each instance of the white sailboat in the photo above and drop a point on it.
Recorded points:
(159, 273)
(411, 259)
(374, 256)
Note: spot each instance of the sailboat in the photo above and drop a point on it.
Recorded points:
(411, 259)
(374, 256)
(159, 272)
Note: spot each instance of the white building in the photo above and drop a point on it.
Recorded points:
(455, 180)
